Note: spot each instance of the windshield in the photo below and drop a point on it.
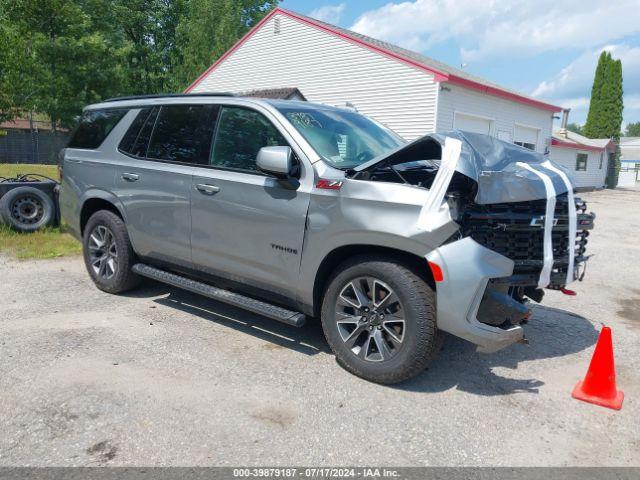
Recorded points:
(344, 139)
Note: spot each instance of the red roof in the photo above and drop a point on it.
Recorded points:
(440, 71)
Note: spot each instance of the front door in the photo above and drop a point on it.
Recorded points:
(246, 226)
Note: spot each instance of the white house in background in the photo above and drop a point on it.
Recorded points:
(629, 162)
(410, 93)
(587, 158)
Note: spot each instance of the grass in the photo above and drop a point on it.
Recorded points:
(46, 243)
(8, 170)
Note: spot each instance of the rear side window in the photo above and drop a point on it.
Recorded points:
(241, 134)
(182, 133)
(136, 140)
(94, 127)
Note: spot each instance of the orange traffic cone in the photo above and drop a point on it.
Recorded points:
(599, 385)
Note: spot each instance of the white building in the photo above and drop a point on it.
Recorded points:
(629, 176)
(587, 158)
(410, 93)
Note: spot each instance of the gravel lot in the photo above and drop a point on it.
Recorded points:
(163, 377)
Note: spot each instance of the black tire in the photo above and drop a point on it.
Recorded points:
(421, 339)
(116, 277)
(27, 209)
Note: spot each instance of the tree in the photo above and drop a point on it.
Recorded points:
(58, 55)
(210, 28)
(605, 108)
(632, 130)
(147, 30)
(58, 62)
(17, 70)
(604, 119)
(574, 127)
(594, 116)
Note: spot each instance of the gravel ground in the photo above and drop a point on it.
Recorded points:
(163, 377)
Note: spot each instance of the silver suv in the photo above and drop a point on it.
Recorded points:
(296, 210)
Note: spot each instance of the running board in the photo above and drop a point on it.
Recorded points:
(256, 306)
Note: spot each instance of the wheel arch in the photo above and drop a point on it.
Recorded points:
(94, 204)
(339, 255)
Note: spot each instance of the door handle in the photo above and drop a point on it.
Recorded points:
(130, 177)
(207, 189)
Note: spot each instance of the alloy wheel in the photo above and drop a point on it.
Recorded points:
(103, 252)
(370, 319)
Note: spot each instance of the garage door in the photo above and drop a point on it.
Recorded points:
(470, 123)
(525, 137)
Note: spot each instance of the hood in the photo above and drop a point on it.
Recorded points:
(504, 172)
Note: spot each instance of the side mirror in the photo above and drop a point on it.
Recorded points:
(277, 161)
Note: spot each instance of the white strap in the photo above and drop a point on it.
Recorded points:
(545, 274)
(573, 218)
(450, 155)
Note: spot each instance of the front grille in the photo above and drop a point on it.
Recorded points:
(516, 230)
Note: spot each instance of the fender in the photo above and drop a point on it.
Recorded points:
(367, 213)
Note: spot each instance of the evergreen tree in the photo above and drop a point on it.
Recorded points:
(605, 109)
(604, 119)
(617, 102)
(595, 115)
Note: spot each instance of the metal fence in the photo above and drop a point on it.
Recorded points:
(31, 146)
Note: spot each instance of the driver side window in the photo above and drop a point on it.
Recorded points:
(241, 133)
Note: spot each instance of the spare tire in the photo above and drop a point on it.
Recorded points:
(27, 209)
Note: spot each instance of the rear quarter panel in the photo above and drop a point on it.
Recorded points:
(92, 174)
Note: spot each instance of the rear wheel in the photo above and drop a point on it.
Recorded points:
(108, 254)
(379, 319)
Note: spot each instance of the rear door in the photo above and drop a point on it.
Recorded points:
(163, 145)
(247, 226)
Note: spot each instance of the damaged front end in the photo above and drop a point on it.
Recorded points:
(521, 229)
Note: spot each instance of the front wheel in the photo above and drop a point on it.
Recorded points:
(379, 319)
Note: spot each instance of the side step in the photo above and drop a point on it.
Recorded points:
(256, 306)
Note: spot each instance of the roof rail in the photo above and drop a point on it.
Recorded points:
(169, 95)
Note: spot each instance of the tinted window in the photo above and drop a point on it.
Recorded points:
(94, 127)
(241, 134)
(182, 133)
(133, 132)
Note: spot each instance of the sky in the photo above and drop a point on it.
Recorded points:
(545, 48)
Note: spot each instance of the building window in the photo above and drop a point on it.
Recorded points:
(526, 137)
(581, 162)
(530, 146)
(601, 160)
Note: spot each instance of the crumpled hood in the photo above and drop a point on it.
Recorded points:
(495, 165)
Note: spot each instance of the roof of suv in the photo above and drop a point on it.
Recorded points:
(144, 100)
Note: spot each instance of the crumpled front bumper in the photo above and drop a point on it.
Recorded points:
(467, 267)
